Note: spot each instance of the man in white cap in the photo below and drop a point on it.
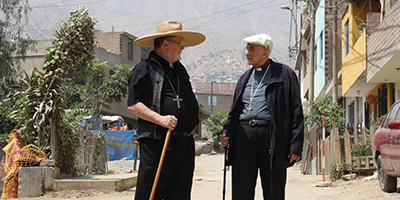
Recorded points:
(161, 95)
(265, 125)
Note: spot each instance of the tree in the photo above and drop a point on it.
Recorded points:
(325, 107)
(42, 104)
(13, 45)
(215, 123)
(99, 93)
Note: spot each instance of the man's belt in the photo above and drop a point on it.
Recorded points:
(181, 134)
(255, 122)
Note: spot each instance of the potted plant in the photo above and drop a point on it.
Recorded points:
(362, 26)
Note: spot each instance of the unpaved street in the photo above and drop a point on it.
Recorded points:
(208, 186)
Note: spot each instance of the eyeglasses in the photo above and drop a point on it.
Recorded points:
(252, 49)
(180, 43)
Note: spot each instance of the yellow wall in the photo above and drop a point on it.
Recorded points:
(354, 63)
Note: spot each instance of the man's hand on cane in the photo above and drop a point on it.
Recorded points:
(223, 138)
(168, 121)
(293, 157)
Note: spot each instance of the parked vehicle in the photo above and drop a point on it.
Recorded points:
(387, 149)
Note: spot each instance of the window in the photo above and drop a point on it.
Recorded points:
(398, 113)
(382, 100)
(391, 115)
(351, 113)
(214, 100)
(144, 53)
(321, 46)
(346, 38)
(315, 58)
(130, 49)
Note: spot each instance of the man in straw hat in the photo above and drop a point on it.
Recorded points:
(161, 95)
(265, 125)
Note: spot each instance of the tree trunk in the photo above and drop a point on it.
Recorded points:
(54, 140)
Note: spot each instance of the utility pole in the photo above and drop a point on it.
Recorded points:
(334, 70)
(312, 39)
(212, 97)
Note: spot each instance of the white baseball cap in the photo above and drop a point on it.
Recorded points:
(260, 39)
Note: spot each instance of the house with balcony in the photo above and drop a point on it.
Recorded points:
(369, 48)
(383, 58)
(321, 83)
(302, 64)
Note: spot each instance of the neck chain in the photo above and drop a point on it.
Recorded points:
(177, 99)
(252, 84)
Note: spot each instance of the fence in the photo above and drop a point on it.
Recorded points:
(90, 156)
(339, 146)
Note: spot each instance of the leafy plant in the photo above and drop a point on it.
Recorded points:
(362, 150)
(336, 170)
(13, 43)
(215, 123)
(98, 92)
(325, 107)
(6, 123)
(39, 110)
(362, 25)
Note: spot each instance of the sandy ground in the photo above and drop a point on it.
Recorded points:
(208, 184)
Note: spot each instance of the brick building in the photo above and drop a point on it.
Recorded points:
(214, 96)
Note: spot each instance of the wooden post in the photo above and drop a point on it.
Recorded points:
(355, 135)
(364, 135)
(338, 156)
(347, 147)
(329, 157)
(54, 140)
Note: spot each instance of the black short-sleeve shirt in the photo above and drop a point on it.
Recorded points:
(140, 89)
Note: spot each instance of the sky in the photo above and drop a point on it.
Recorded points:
(224, 22)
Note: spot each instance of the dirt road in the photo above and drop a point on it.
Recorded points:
(207, 185)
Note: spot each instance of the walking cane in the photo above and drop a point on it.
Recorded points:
(153, 190)
(224, 182)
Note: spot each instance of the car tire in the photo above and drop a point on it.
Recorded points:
(386, 182)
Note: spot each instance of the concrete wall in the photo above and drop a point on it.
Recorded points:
(34, 181)
(34, 59)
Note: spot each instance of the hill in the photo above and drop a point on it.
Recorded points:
(224, 22)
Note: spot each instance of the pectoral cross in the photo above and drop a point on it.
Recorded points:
(177, 99)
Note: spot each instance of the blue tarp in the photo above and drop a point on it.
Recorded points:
(119, 144)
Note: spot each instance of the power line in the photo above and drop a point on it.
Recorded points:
(224, 17)
(136, 12)
(74, 4)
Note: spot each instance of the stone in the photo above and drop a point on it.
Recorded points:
(323, 184)
(48, 163)
(202, 148)
(348, 177)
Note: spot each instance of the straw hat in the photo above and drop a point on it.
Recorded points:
(171, 28)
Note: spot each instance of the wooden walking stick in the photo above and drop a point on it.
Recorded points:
(224, 182)
(153, 190)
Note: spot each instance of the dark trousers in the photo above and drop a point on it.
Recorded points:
(177, 171)
(250, 155)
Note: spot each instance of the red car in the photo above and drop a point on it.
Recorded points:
(387, 149)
